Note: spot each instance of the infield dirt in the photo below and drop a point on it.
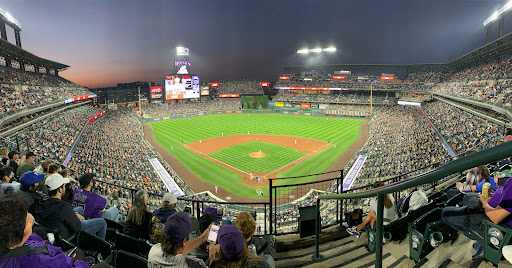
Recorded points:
(309, 146)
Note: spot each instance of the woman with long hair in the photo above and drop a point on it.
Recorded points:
(389, 213)
(232, 251)
(139, 217)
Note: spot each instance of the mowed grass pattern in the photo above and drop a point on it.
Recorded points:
(170, 134)
(276, 156)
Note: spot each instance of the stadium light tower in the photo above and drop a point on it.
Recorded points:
(497, 16)
(316, 50)
(6, 18)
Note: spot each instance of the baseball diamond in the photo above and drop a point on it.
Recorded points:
(217, 149)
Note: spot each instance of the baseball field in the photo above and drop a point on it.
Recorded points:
(239, 152)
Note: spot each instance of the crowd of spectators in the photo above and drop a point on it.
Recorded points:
(112, 147)
(425, 77)
(170, 109)
(22, 90)
(489, 82)
(460, 129)
(240, 87)
(338, 84)
(53, 137)
(401, 140)
(336, 97)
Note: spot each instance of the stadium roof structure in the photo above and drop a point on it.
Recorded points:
(12, 52)
(489, 52)
(494, 50)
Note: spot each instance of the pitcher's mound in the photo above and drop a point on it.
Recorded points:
(257, 155)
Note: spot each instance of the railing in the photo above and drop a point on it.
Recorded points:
(193, 204)
(285, 199)
(489, 155)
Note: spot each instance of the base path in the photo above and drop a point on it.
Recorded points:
(198, 185)
(305, 145)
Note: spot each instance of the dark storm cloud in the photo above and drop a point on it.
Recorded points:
(107, 42)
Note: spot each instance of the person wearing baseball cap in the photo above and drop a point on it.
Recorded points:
(168, 208)
(29, 182)
(94, 204)
(60, 215)
(173, 251)
(233, 251)
(160, 216)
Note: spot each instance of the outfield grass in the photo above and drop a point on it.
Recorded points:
(238, 156)
(170, 134)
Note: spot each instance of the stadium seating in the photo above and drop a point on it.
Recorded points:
(127, 259)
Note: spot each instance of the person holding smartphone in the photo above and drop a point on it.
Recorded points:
(173, 251)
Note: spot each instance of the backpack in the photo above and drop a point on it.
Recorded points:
(156, 233)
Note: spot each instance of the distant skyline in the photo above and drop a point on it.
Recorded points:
(111, 41)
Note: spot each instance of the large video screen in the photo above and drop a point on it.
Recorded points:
(180, 86)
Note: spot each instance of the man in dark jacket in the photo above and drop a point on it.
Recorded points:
(29, 182)
(60, 215)
(168, 207)
(13, 157)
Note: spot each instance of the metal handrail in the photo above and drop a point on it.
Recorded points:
(489, 155)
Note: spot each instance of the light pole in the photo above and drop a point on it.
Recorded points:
(313, 50)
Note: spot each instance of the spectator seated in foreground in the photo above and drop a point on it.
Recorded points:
(27, 164)
(91, 205)
(246, 223)
(161, 215)
(389, 213)
(467, 218)
(13, 160)
(29, 182)
(58, 214)
(173, 251)
(18, 246)
(413, 200)
(473, 177)
(138, 221)
(232, 250)
(6, 186)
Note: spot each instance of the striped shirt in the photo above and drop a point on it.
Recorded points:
(157, 259)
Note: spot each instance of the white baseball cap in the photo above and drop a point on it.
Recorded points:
(170, 197)
(55, 181)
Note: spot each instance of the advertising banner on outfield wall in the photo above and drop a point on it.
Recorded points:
(305, 105)
(271, 103)
(279, 104)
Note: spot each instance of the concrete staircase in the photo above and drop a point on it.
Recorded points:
(341, 250)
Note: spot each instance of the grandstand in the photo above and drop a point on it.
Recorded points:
(419, 131)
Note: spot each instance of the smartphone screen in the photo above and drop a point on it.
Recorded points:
(212, 236)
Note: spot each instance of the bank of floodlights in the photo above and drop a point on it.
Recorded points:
(316, 50)
(499, 14)
(8, 17)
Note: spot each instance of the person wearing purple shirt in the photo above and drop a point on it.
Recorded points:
(498, 209)
(89, 204)
(18, 246)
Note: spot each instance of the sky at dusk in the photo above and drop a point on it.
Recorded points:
(108, 42)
